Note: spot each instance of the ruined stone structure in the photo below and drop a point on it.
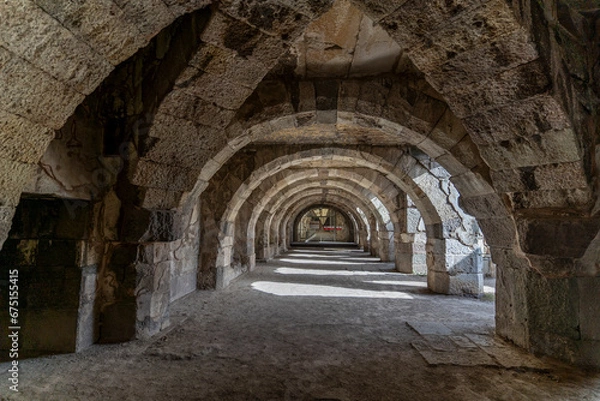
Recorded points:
(152, 148)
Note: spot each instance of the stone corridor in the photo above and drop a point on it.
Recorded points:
(166, 166)
(314, 324)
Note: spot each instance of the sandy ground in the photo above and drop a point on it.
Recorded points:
(312, 325)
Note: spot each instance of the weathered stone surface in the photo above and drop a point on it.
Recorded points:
(473, 28)
(519, 83)
(572, 199)
(273, 16)
(533, 116)
(551, 147)
(13, 175)
(179, 7)
(228, 65)
(155, 175)
(25, 93)
(499, 233)
(51, 47)
(12, 145)
(506, 52)
(148, 16)
(155, 198)
(101, 24)
(375, 51)
(557, 237)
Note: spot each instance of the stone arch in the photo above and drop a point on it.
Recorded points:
(228, 222)
(281, 220)
(465, 278)
(346, 215)
(279, 207)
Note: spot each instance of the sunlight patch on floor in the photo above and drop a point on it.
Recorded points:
(321, 262)
(320, 272)
(312, 290)
(406, 283)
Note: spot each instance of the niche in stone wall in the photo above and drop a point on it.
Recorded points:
(47, 245)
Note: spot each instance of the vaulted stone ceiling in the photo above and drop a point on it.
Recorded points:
(148, 109)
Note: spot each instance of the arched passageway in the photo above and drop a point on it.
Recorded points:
(152, 149)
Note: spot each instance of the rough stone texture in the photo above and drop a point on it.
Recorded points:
(503, 95)
(310, 347)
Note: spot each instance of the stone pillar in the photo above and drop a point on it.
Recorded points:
(405, 238)
(551, 316)
(465, 267)
(86, 320)
(384, 245)
(404, 252)
(547, 296)
(438, 279)
(362, 238)
(374, 246)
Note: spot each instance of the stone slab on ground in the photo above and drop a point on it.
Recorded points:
(434, 328)
(469, 349)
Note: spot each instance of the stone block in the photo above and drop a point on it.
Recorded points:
(571, 199)
(560, 176)
(552, 147)
(13, 178)
(500, 232)
(473, 28)
(228, 65)
(276, 17)
(438, 282)
(560, 237)
(182, 285)
(102, 25)
(484, 206)
(155, 198)
(54, 253)
(467, 153)
(149, 17)
(13, 128)
(48, 332)
(472, 184)
(179, 103)
(156, 175)
(466, 284)
(552, 305)
(52, 47)
(526, 118)
(213, 89)
(481, 63)
(349, 92)
(178, 7)
(448, 131)
(589, 288)
(509, 180)
(511, 301)
(26, 93)
(507, 87)
(86, 319)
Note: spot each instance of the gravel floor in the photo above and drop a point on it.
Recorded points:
(312, 325)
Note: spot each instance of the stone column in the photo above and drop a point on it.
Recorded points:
(405, 238)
